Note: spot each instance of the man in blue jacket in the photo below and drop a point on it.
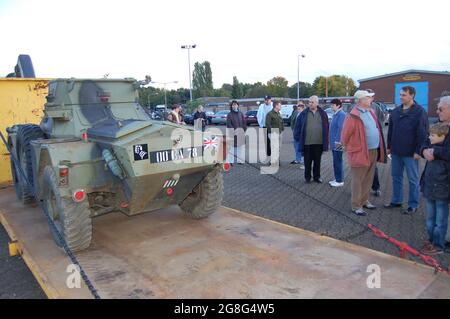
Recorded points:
(408, 130)
(337, 123)
(311, 134)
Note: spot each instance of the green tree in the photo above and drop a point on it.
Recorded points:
(278, 86)
(202, 79)
(222, 92)
(257, 90)
(338, 85)
(236, 92)
(306, 90)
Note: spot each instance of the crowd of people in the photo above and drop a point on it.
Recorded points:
(359, 134)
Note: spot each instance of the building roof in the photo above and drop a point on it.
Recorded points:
(404, 72)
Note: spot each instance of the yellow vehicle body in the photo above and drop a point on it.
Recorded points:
(21, 101)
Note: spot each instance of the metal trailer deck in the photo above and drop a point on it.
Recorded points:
(229, 255)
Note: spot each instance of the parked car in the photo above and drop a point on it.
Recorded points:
(250, 117)
(286, 112)
(209, 115)
(157, 115)
(330, 113)
(189, 119)
(220, 117)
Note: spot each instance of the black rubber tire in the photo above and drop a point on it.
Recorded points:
(24, 67)
(72, 220)
(25, 134)
(16, 181)
(206, 197)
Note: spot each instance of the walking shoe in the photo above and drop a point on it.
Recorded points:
(410, 211)
(336, 184)
(295, 162)
(318, 180)
(302, 166)
(392, 205)
(370, 206)
(432, 250)
(359, 212)
(376, 193)
(307, 181)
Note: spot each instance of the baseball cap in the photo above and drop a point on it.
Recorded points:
(362, 94)
(267, 97)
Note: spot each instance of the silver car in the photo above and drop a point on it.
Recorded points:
(220, 117)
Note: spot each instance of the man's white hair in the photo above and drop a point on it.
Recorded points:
(445, 100)
(314, 98)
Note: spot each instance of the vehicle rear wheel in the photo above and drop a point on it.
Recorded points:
(71, 219)
(206, 196)
(25, 134)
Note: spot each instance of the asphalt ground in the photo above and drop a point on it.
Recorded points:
(283, 197)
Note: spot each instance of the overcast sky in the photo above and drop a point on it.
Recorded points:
(254, 40)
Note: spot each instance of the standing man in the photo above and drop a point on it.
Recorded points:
(337, 123)
(312, 133)
(363, 140)
(275, 126)
(200, 118)
(408, 129)
(263, 110)
(376, 188)
(297, 109)
(236, 127)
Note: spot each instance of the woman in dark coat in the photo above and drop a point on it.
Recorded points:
(236, 127)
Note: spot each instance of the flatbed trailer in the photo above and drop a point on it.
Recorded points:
(231, 254)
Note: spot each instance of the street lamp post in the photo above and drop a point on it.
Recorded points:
(165, 91)
(298, 76)
(189, 47)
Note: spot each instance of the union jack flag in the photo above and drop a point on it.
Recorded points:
(211, 142)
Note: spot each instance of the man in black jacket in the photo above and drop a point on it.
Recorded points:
(408, 129)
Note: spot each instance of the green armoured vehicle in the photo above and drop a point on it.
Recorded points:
(97, 151)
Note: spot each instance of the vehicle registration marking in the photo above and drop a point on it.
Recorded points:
(175, 154)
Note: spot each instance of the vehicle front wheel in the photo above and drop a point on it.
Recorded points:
(206, 197)
(71, 219)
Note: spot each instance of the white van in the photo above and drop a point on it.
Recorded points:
(286, 112)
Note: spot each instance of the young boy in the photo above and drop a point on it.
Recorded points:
(435, 185)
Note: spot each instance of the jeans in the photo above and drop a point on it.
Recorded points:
(338, 167)
(238, 152)
(437, 221)
(399, 164)
(298, 155)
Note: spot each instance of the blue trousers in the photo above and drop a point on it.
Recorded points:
(298, 155)
(399, 165)
(338, 167)
(437, 221)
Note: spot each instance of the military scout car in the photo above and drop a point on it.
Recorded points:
(97, 151)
